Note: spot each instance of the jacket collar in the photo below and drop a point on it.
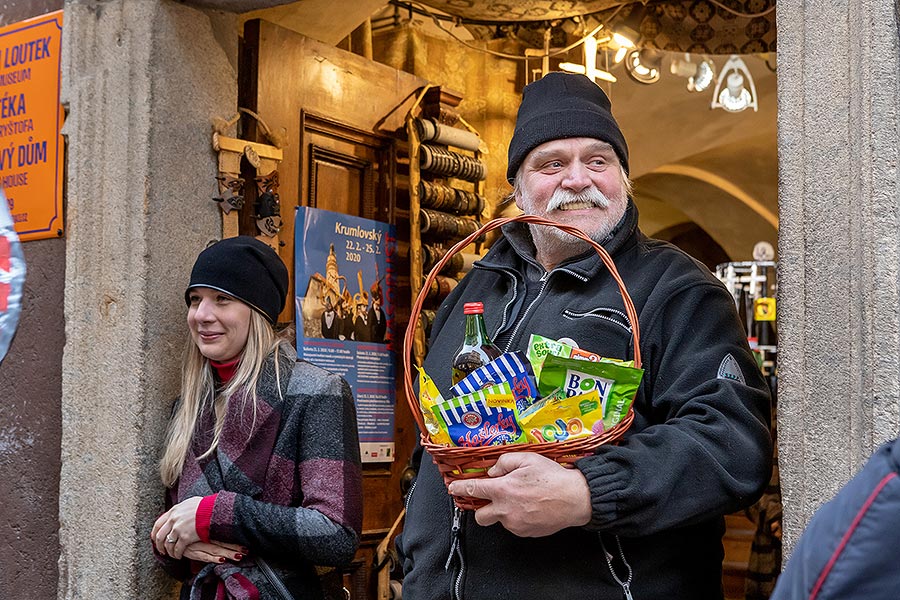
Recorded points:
(246, 439)
(586, 265)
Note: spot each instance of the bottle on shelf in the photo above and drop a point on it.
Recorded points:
(477, 348)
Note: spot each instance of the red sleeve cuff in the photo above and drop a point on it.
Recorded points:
(204, 516)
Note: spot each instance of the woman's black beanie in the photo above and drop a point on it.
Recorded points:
(563, 105)
(245, 268)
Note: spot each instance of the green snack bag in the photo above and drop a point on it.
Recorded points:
(540, 347)
(615, 383)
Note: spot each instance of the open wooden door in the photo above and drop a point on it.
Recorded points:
(344, 117)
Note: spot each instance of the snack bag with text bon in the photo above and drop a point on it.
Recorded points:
(615, 384)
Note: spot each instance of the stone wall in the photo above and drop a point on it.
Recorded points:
(839, 317)
(142, 81)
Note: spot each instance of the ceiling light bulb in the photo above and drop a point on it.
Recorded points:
(622, 41)
(643, 65)
(731, 91)
(620, 54)
(572, 67)
(699, 74)
(683, 67)
(705, 75)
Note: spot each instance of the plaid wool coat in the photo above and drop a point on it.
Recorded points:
(288, 485)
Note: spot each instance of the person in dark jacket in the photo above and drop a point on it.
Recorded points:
(330, 321)
(641, 518)
(849, 549)
(261, 461)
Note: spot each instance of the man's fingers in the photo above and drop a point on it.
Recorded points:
(476, 488)
(509, 462)
(487, 515)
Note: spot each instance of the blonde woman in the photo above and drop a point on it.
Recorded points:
(261, 460)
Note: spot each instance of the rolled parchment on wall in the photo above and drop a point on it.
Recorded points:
(447, 163)
(440, 225)
(448, 199)
(430, 130)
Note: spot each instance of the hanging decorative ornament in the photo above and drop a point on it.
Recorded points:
(231, 192)
(268, 206)
(12, 277)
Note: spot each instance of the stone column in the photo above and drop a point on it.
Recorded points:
(141, 82)
(839, 318)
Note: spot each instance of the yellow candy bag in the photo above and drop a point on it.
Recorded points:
(558, 418)
(429, 397)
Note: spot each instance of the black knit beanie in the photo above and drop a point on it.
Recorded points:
(245, 268)
(563, 105)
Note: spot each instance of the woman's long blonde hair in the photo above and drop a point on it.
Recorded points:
(198, 392)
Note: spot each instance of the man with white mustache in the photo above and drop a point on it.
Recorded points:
(642, 518)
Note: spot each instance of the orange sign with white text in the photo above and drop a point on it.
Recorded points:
(31, 148)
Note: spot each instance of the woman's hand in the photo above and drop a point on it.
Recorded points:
(214, 552)
(176, 529)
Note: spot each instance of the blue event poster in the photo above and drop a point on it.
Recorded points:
(345, 308)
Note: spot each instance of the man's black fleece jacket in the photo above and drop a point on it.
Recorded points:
(699, 447)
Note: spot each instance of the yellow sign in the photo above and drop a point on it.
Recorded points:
(31, 149)
(764, 309)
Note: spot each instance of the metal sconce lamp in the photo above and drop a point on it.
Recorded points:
(643, 65)
(734, 96)
(700, 75)
(626, 35)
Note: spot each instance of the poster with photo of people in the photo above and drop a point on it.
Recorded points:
(344, 307)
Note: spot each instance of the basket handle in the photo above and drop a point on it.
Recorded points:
(630, 311)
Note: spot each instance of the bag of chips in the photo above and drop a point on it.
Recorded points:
(540, 347)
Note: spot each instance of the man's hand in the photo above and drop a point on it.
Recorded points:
(530, 495)
(176, 529)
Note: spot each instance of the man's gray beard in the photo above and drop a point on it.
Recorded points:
(556, 242)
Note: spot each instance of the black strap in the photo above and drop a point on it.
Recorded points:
(274, 579)
(266, 569)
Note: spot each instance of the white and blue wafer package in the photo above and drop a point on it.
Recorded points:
(512, 368)
(485, 417)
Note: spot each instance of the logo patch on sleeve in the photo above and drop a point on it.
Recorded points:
(729, 369)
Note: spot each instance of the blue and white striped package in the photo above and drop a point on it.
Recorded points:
(485, 417)
(512, 368)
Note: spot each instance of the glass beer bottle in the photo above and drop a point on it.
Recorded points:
(477, 348)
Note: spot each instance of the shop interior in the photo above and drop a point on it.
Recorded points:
(400, 112)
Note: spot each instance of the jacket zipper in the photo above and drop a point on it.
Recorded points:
(544, 278)
(574, 315)
(410, 493)
(512, 275)
(625, 585)
(456, 550)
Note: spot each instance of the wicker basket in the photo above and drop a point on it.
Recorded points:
(457, 463)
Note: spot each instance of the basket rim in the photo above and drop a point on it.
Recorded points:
(585, 444)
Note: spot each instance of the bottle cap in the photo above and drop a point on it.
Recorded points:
(473, 308)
